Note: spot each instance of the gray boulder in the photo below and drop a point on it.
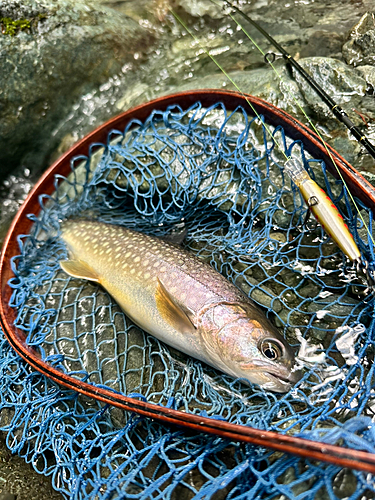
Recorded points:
(52, 52)
(359, 49)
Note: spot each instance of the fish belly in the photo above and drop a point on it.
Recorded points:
(138, 302)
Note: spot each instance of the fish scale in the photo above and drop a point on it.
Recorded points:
(159, 258)
(181, 300)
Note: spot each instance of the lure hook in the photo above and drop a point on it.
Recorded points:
(363, 265)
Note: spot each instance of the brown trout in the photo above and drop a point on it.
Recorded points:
(181, 300)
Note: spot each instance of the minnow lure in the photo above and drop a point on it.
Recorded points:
(324, 210)
(182, 301)
(316, 199)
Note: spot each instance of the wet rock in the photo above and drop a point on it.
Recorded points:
(331, 312)
(19, 480)
(262, 82)
(344, 483)
(349, 88)
(198, 8)
(336, 78)
(310, 289)
(146, 12)
(360, 49)
(12, 194)
(70, 48)
(368, 73)
(323, 44)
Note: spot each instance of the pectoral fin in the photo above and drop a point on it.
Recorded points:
(79, 269)
(172, 311)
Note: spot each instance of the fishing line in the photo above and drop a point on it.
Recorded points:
(214, 60)
(311, 82)
(339, 113)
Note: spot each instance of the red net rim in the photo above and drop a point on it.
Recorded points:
(22, 224)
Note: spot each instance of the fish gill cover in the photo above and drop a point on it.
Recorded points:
(219, 177)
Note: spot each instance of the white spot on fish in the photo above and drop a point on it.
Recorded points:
(137, 259)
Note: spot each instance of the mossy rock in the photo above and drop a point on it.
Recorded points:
(61, 50)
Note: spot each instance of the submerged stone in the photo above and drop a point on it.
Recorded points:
(336, 78)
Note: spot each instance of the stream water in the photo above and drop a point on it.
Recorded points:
(320, 34)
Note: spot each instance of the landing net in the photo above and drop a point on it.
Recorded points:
(219, 177)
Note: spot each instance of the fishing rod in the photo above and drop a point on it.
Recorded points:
(316, 199)
(339, 113)
(369, 275)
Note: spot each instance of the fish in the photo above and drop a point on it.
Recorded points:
(181, 300)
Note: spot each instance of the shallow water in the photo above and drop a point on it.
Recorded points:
(175, 62)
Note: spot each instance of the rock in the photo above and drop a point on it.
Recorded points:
(149, 13)
(323, 44)
(331, 312)
(199, 8)
(262, 82)
(360, 48)
(69, 48)
(368, 73)
(344, 483)
(336, 78)
(309, 289)
(19, 480)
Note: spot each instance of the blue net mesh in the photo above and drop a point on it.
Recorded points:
(218, 176)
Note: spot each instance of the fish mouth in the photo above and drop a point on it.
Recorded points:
(273, 378)
(277, 383)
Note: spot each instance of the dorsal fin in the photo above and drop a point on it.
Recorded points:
(175, 237)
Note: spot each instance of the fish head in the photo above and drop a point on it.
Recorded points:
(247, 345)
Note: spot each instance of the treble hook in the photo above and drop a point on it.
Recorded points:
(312, 202)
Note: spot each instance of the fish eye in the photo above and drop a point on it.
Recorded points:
(271, 349)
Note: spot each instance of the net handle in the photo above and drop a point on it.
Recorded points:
(21, 224)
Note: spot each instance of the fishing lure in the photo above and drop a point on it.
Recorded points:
(324, 210)
(317, 200)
